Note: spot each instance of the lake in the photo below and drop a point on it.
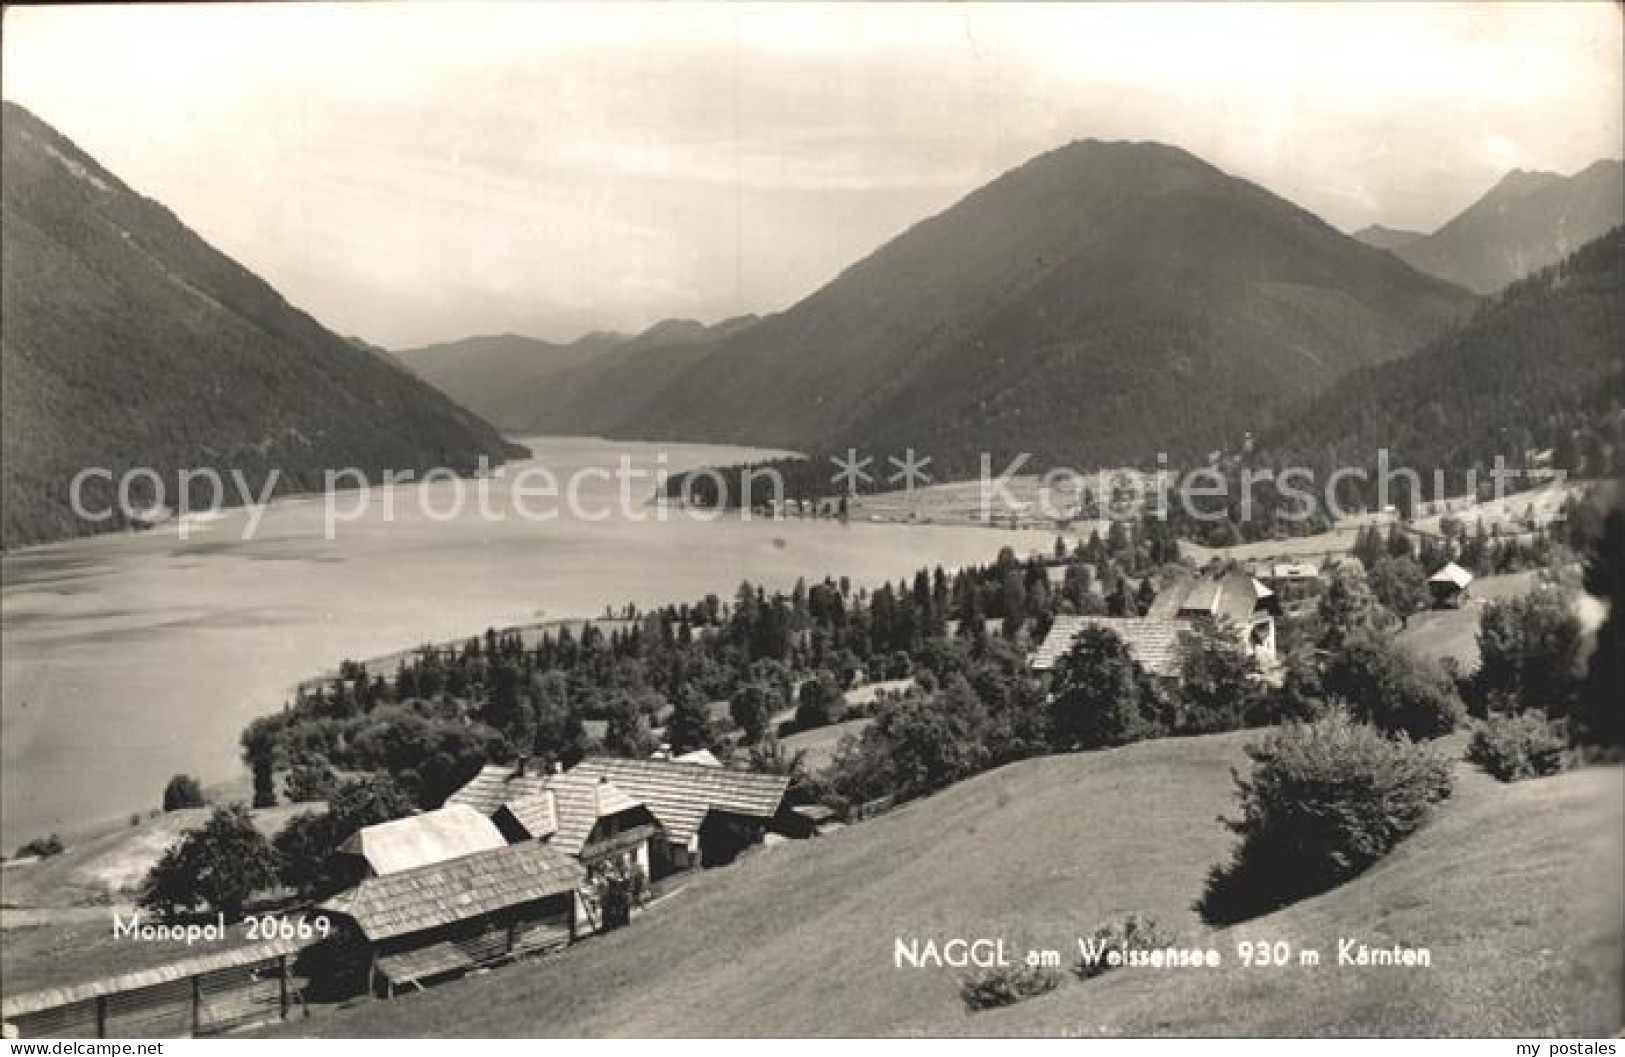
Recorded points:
(131, 657)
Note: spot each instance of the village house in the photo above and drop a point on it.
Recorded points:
(415, 926)
(1449, 586)
(707, 814)
(1154, 642)
(1184, 605)
(1297, 584)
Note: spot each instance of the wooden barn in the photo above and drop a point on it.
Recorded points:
(707, 815)
(431, 922)
(208, 994)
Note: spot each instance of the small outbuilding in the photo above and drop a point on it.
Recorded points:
(441, 920)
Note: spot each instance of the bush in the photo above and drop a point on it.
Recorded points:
(1136, 932)
(1102, 696)
(309, 782)
(182, 791)
(617, 888)
(1005, 986)
(1516, 747)
(1324, 801)
(1385, 685)
(1529, 650)
(220, 866)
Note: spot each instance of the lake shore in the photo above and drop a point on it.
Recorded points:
(132, 657)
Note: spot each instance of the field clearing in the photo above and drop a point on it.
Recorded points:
(820, 743)
(798, 938)
(1441, 633)
(1516, 889)
(109, 867)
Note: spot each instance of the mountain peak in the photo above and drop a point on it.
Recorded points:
(1527, 221)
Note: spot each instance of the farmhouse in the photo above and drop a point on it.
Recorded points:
(1234, 599)
(1184, 604)
(1152, 641)
(1449, 586)
(707, 815)
(431, 922)
(418, 840)
(587, 818)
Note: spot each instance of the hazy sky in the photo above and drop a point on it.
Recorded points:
(415, 173)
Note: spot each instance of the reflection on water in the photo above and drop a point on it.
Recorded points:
(129, 658)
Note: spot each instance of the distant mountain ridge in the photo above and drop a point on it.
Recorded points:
(1525, 222)
(1100, 303)
(526, 385)
(128, 341)
(1387, 238)
(1538, 368)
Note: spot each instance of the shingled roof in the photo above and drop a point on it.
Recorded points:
(681, 794)
(497, 784)
(417, 840)
(1452, 574)
(442, 893)
(1152, 641)
(537, 816)
(1233, 597)
(232, 958)
(580, 800)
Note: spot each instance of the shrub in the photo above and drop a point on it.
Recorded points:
(41, 848)
(1136, 932)
(1517, 747)
(220, 866)
(1102, 696)
(182, 791)
(309, 782)
(1323, 802)
(617, 888)
(1529, 650)
(1005, 986)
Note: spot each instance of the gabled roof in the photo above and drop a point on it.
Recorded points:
(565, 813)
(1233, 596)
(580, 801)
(703, 757)
(446, 892)
(497, 784)
(1154, 642)
(417, 840)
(681, 794)
(1452, 574)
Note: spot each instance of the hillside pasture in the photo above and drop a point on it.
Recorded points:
(1516, 889)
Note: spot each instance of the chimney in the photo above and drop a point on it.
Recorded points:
(558, 767)
(520, 766)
